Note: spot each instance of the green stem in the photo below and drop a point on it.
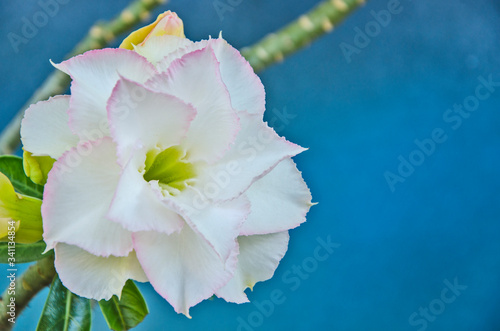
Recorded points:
(32, 281)
(300, 33)
(98, 36)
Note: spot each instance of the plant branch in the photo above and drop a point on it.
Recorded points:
(99, 35)
(320, 20)
(32, 281)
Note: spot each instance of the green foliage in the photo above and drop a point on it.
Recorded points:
(64, 311)
(24, 252)
(12, 167)
(126, 312)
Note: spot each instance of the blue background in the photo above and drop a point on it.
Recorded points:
(397, 249)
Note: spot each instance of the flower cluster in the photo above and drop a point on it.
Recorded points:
(164, 171)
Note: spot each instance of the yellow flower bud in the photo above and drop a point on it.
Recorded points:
(167, 23)
(20, 216)
(37, 167)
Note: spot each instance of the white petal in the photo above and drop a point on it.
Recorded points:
(257, 150)
(182, 267)
(148, 119)
(244, 86)
(246, 89)
(280, 201)
(45, 129)
(195, 78)
(166, 61)
(137, 204)
(159, 47)
(218, 223)
(258, 259)
(77, 197)
(95, 277)
(94, 75)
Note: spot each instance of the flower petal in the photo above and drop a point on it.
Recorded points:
(141, 118)
(159, 47)
(95, 277)
(246, 89)
(280, 201)
(257, 150)
(218, 223)
(244, 86)
(182, 267)
(137, 204)
(258, 259)
(45, 130)
(94, 75)
(77, 197)
(195, 78)
(164, 63)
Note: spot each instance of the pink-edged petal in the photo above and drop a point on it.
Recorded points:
(182, 267)
(257, 150)
(244, 86)
(280, 201)
(94, 75)
(165, 62)
(45, 129)
(141, 118)
(258, 259)
(95, 277)
(77, 197)
(159, 47)
(195, 78)
(137, 204)
(218, 223)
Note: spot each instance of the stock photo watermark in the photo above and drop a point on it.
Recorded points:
(250, 147)
(12, 269)
(93, 137)
(32, 24)
(224, 6)
(293, 278)
(454, 117)
(217, 180)
(436, 307)
(373, 28)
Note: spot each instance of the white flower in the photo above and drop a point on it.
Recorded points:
(165, 173)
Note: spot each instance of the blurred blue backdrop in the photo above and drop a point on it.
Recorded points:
(405, 236)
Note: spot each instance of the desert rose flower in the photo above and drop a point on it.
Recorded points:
(165, 171)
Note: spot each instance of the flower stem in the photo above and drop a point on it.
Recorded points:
(300, 33)
(32, 281)
(98, 36)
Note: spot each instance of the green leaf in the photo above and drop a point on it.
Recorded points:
(23, 252)
(12, 167)
(127, 312)
(64, 311)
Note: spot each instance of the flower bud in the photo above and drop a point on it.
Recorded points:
(37, 167)
(167, 23)
(20, 212)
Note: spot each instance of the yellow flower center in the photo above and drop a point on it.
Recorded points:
(169, 168)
